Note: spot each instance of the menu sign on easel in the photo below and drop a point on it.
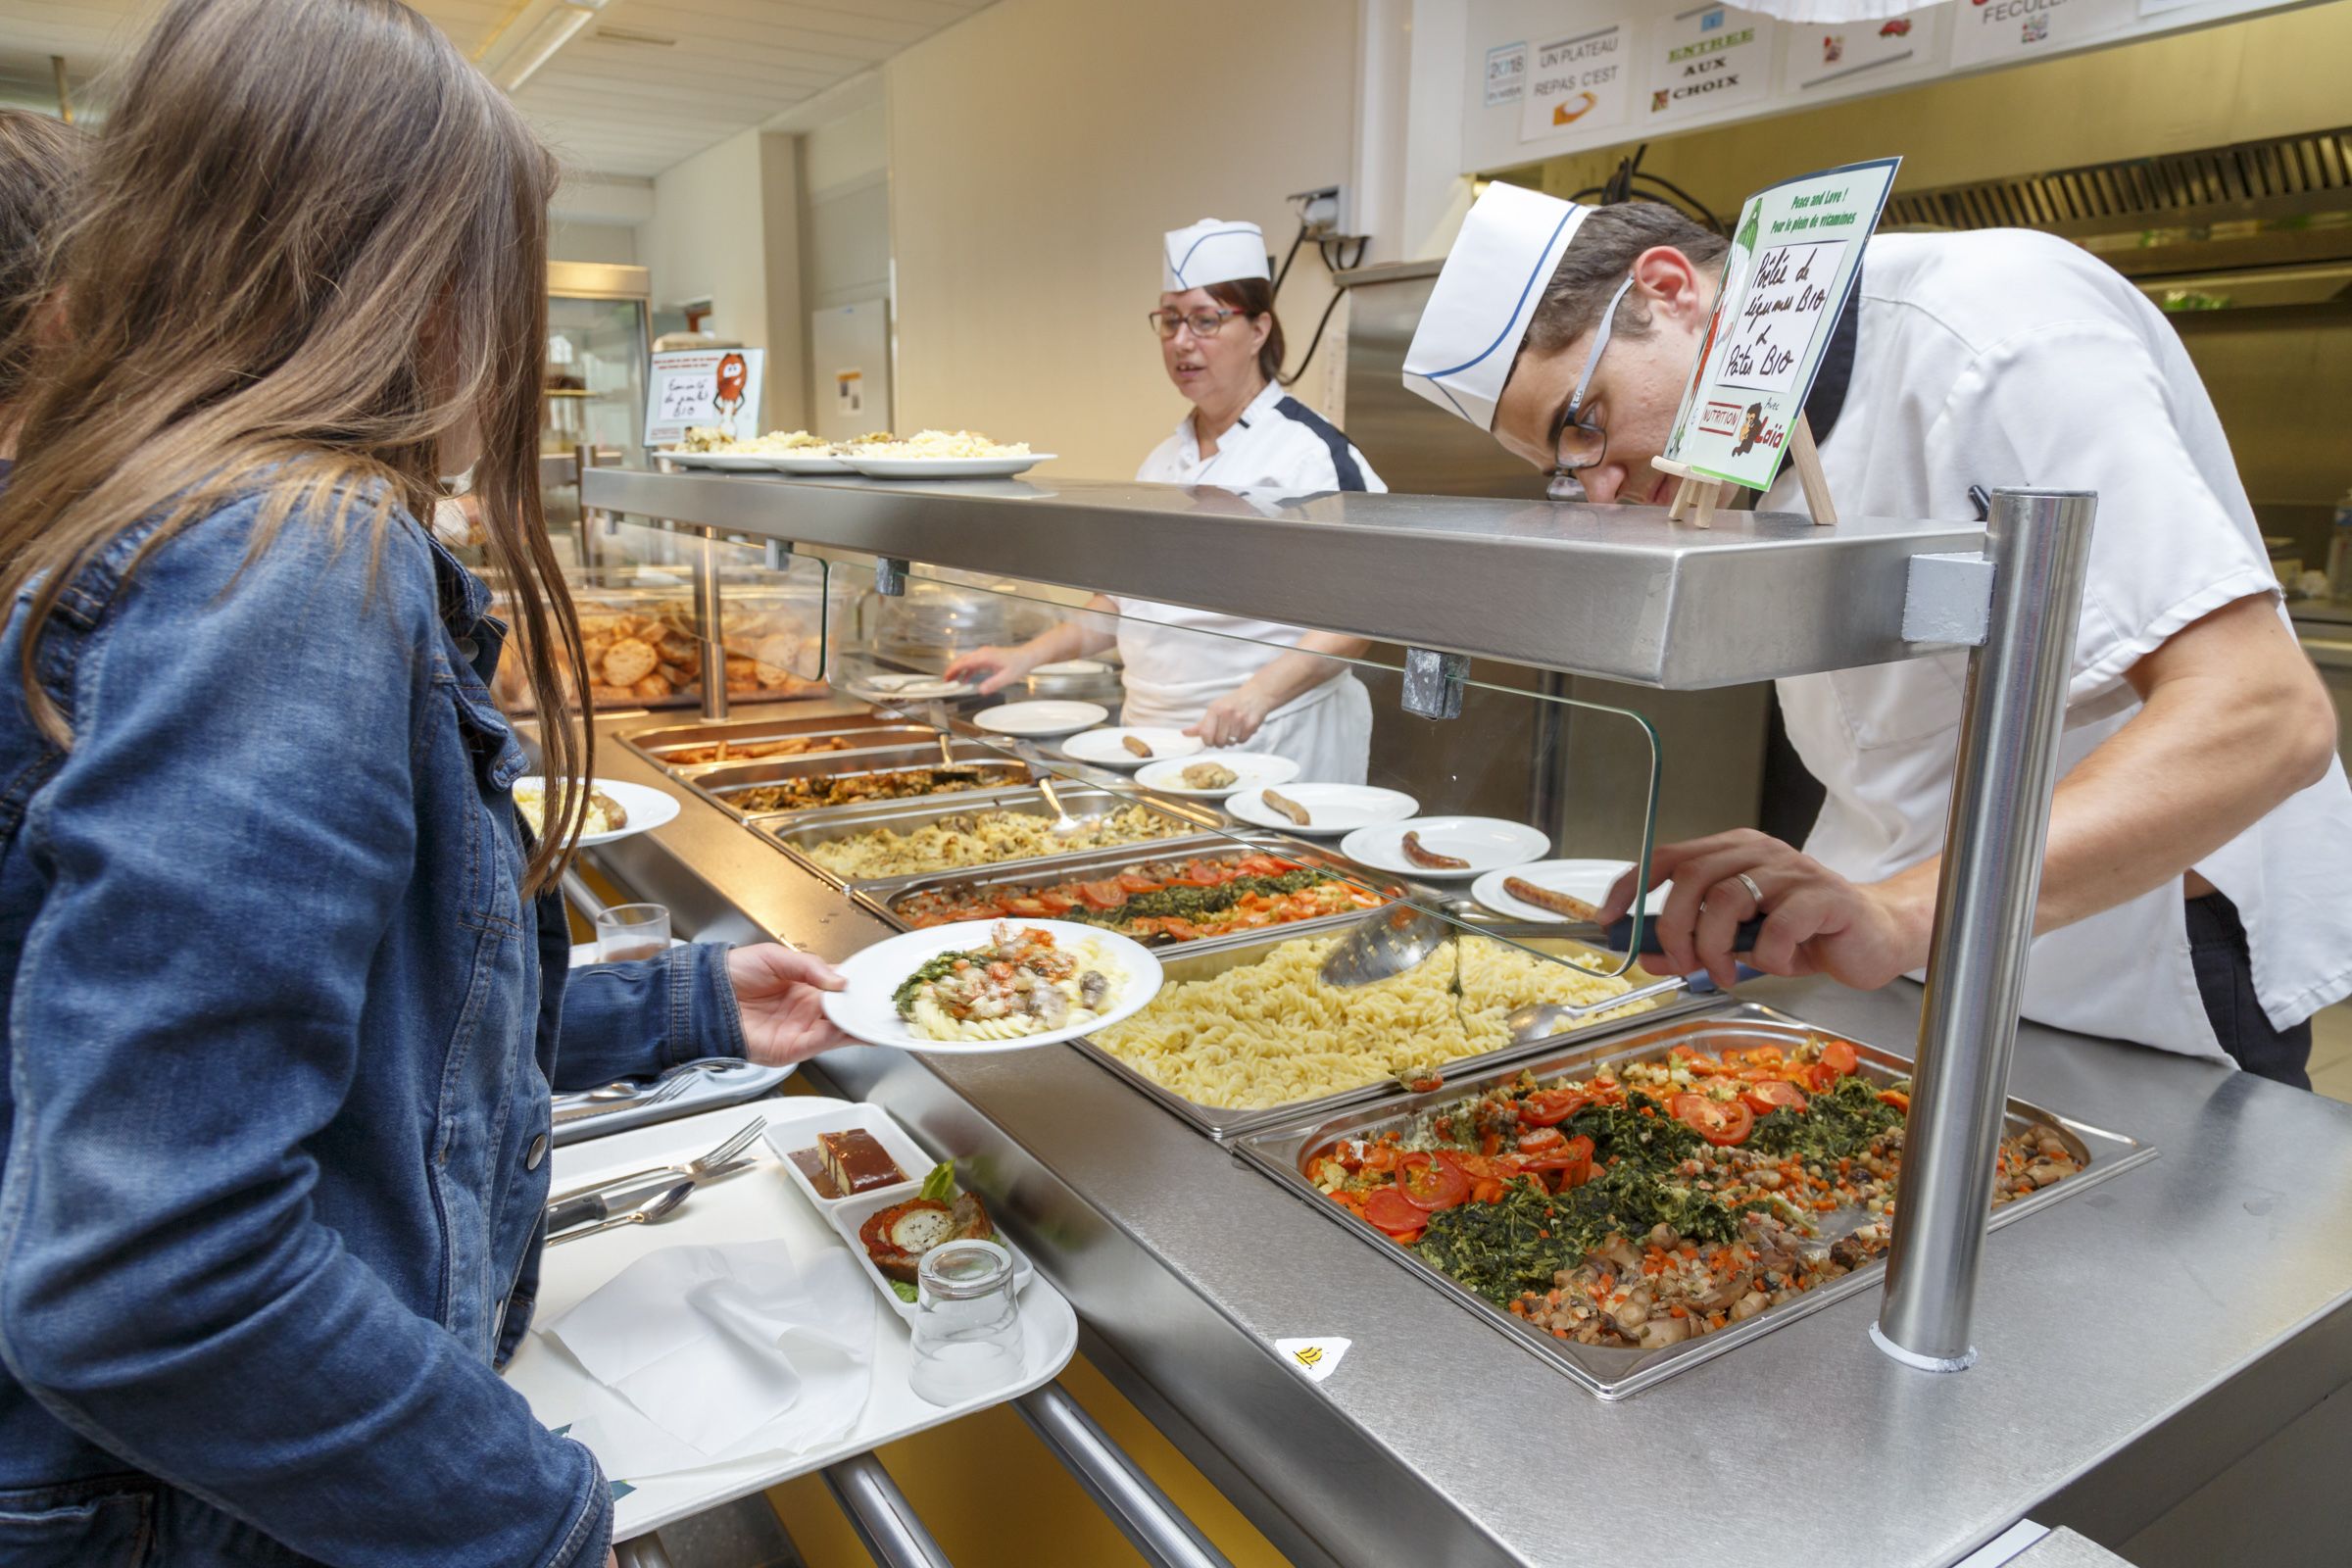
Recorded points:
(713, 388)
(1785, 280)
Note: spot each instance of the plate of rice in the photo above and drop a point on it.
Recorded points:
(943, 455)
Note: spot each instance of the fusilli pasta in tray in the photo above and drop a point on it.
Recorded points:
(1271, 1031)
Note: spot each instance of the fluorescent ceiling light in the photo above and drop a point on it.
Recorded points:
(510, 64)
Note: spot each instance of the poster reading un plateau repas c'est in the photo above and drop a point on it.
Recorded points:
(1791, 266)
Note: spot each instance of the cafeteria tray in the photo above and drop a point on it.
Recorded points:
(796, 833)
(883, 897)
(720, 782)
(657, 746)
(1203, 961)
(1614, 1373)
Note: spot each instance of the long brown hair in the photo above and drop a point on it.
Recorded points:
(1253, 297)
(37, 159)
(311, 244)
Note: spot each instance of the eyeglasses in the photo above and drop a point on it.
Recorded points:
(1576, 441)
(1204, 323)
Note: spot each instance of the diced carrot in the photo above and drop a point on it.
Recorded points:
(1678, 1311)
(1559, 1334)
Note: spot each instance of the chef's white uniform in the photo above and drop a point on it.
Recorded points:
(2005, 357)
(1179, 661)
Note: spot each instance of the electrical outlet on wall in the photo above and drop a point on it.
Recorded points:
(1326, 213)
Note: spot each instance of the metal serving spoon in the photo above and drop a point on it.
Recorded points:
(1065, 825)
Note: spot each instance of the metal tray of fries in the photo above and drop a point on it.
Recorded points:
(1283, 1151)
(799, 834)
(1206, 960)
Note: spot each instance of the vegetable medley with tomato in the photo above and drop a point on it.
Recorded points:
(1161, 901)
(1645, 1205)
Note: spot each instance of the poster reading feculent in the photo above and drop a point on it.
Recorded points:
(1705, 58)
(1578, 80)
(2003, 32)
(712, 389)
(1784, 280)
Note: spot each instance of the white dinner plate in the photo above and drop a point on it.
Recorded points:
(947, 467)
(647, 808)
(1040, 718)
(866, 1010)
(1488, 843)
(1251, 770)
(808, 463)
(1330, 807)
(1073, 666)
(1589, 880)
(908, 688)
(724, 461)
(1105, 749)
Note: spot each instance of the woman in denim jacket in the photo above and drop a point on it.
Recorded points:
(284, 996)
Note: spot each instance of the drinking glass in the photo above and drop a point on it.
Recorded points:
(628, 931)
(967, 1326)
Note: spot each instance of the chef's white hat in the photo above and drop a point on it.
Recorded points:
(1211, 251)
(1484, 296)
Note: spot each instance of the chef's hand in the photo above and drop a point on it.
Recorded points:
(777, 990)
(1816, 921)
(1000, 666)
(1232, 718)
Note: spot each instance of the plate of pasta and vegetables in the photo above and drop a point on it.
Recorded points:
(992, 985)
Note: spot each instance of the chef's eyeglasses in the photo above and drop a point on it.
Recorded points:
(1577, 442)
(1204, 323)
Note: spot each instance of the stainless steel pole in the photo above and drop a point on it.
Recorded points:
(1142, 1511)
(710, 628)
(879, 1512)
(2039, 545)
(645, 1552)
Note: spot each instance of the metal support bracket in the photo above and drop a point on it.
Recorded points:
(773, 553)
(886, 1526)
(1949, 599)
(1433, 682)
(1151, 1524)
(890, 576)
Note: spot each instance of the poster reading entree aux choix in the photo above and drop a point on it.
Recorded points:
(1785, 281)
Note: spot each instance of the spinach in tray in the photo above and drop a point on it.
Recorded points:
(1190, 904)
(1837, 1124)
(1501, 1249)
(1658, 1140)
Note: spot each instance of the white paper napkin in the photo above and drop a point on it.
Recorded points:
(697, 1356)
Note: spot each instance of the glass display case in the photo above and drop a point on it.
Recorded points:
(598, 339)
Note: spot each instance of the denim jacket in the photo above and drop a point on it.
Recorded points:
(281, 1033)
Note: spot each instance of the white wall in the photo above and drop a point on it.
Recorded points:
(611, 243)
(726, 228)
(1037, 152)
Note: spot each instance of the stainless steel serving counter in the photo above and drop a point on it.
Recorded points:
(2136, 1341)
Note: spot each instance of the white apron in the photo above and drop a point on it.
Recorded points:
(1178, 661)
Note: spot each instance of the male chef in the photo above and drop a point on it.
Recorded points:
(2196, 894)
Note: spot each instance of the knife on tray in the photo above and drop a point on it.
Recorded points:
(598, 1206)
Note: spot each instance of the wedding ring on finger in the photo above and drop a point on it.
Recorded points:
(1754, 891)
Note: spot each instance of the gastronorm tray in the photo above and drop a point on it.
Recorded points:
(885, 897)
(797, 833)
(1202, 960)
(660, 746)
(1610, 1372)
(721, 783)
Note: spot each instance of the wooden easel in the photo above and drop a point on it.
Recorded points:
(1697, 491)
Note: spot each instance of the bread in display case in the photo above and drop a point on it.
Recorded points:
(637, 634)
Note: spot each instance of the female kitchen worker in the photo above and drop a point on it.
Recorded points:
(1220, 677)
(2192, 893)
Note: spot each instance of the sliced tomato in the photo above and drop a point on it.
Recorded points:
(1839, 1057)
(1548, 1107)
(1027, 909)
(1573, 1160)
(1258, 865)
(1104, 895)
(1137, 882)
(1432, 1181)
(1542, 1140)
(1898, 1099)
(1717, 1122)
(1821, 1077)
(1056, 902)
(1772, 1094)
(1388, 1209)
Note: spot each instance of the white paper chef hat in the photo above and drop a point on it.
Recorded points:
(1484, 296)
(1211, 251)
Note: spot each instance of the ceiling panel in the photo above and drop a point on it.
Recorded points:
(673, 77)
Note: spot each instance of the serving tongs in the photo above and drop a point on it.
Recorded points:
(1389, 941)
